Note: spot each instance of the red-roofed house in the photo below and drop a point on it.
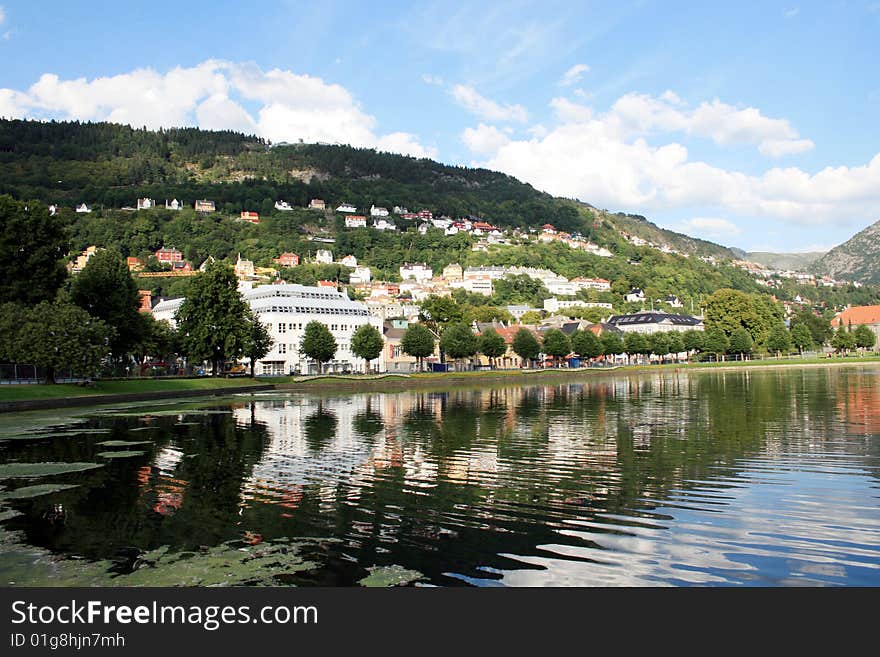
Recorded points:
(287, 260)
(169, 255)
(327, 284)
(134, 264)
(510, 359)
(860, 316)
(253, 217)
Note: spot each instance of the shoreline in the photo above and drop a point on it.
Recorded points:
(373, 383)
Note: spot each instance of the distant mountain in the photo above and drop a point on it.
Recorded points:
(785, 261)
(857, 259)
(637, 225)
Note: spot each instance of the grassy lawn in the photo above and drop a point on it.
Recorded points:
(42, 391)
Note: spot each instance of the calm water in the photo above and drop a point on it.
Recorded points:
(713, 478)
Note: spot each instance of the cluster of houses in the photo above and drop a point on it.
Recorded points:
(771, 278)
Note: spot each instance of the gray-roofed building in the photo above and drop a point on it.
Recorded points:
(654, 321)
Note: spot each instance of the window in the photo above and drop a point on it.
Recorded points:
(282, 328)
(282, 348)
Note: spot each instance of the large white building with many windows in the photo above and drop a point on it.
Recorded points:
(286, 310)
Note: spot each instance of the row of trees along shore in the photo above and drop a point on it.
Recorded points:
(90, 323)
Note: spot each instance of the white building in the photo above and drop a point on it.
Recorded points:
(346, 207)
(349, 261)
(324, 256)
(475, 284)
(417, 271)
(599, 284)
(378, 212)
(384, 224)
(173, 205)
(81, 209)
(356, 221)
(635, 295)
(145, 204)
(283, 206)
(360, 276)
(655, 321)
(286, 310)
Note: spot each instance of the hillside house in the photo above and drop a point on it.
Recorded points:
(252, 217)
(174, 204)
(284, 206)
(82, 208)
(145, 204)
(347, 207)
(204, 205)
(324, 256)
(356, 221)
(287, 259)
(171, 255)
(378, 212)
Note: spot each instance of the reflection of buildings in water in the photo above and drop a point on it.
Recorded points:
(294, 457)
(859, 403)
(158, 478)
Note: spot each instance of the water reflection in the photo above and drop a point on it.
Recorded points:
(717, 478)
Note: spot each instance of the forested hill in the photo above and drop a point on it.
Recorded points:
(109, 166)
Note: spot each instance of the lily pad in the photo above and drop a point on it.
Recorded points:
(124, 443)
(395, 575)
(27, 492)
(34, 470)
(120, 454)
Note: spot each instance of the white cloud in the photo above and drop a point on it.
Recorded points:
(791, 13)
(573, 75)
(471, 100)
(213, 95)
(641, 114)
(711, 226)
(435, 80)
(484, 139)
(610, 161)
(2, 15)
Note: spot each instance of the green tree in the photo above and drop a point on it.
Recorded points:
(556, 344)
(491, 345)
(586, 344)
(740, 342)
(659, 343)
(612, 344)
(635, 343)
(675, 342)
(213, 320)
(864, 337)
(729, 310)
(819, 326)
(458, 341)
(530, 317)
(715, 342)
(367, 343)
(779, 339)
(801, 337)
(105, 289)
(32, 244)
(693, 340)
(843, 340)
(418, 342)
(61, 336)
(318, 344)
(157, 338)
(439, 312)
(259, 341)
(526, 345)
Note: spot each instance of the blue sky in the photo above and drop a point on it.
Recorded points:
(753, 124)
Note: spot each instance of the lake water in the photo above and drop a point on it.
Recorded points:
(748, 477)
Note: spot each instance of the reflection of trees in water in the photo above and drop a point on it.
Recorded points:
(368, 424)
(320, 428)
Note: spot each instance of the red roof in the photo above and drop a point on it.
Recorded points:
(509, 332)
(858, 315)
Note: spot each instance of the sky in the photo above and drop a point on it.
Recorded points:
(752, 124)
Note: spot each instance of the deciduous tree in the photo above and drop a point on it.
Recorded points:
(367, 343)
(526, 345)
(491, 345)
(418, 342)
(318, 344)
